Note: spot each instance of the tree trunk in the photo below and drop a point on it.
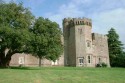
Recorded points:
(40, 61)
(5, 59)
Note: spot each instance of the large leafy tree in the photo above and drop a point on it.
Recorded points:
(19, 32)
(116, 53)
(15, 21)
(47, 39)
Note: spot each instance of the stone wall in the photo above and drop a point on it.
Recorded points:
(69, 42)
(100, 48)
(29, 60)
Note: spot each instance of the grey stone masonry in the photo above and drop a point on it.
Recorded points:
(81, 47)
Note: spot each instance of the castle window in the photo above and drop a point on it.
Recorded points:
(89, 59)
(21, 60)
(88, 43)
(81, 61)
(100, 60)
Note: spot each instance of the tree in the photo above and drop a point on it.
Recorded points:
(116, 53)
(15, 21)
(47, 43)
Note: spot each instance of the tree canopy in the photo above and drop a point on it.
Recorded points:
(116, 53)
(15, 21)
(20, 32)
(47, 42)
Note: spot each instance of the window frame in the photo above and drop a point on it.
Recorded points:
(81, 61)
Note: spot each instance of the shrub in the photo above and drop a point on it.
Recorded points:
(98, 65)
(104, 64)
(101, 64)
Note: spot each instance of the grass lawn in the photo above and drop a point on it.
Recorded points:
(62, 75)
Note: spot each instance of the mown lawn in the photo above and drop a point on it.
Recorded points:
(62, 75)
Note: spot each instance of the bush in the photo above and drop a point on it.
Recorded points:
(104, 65)
(101, 64)
(98, 65)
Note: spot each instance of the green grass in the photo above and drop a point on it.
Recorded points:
(62, 75)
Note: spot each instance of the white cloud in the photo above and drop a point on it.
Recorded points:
(82, 8)
(65, 10)
(103, 21)
(70, 10)
(104, 13)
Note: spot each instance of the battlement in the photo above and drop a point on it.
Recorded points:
(98, 36)
(78, 21)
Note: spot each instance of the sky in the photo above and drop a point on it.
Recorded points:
(104, 13)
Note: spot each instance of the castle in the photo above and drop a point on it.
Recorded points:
(81, 47)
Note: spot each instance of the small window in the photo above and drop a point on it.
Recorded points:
(21, 60)
(81, 61)
(99, 60)
(88, 43)
(89, 59)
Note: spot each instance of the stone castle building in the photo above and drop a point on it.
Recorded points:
(81, 47)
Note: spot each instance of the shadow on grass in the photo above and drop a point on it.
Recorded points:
(27, 68)
(23, 68)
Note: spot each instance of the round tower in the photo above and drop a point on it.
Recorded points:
(77, 41)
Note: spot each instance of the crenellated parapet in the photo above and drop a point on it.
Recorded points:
(77, 21)
(96, 36)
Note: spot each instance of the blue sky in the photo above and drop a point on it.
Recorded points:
(104, 13)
